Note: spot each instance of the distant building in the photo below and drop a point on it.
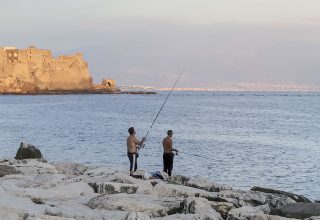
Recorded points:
(33, 69)
(106, 86)
(108, 83)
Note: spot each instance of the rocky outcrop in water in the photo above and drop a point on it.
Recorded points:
(28, 151)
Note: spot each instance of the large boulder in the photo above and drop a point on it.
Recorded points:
(293, 196)
(28, 151)
(172, 190)
(222, 207)
(298, 210)
(253, 198)
(200, 206)
(200, 183)
(149, 205)
(246, 211)
(102, 183)
(70, 168)
(112, 188)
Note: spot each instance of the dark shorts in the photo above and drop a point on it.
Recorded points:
(133, 161)
(168, 163)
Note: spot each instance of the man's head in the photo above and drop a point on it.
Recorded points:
(131, 131)
(170, 133)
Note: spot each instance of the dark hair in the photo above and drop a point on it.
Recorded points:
(169, 132)
(131, 130)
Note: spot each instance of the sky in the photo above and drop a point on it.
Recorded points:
(148, 42)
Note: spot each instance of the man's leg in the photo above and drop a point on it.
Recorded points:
(167, 163)
(130, 156)
(135, 156)
(164, 163)
(170, 164)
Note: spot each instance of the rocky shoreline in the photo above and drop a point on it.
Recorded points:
(33, 189)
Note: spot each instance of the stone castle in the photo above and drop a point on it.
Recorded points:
(33, 70)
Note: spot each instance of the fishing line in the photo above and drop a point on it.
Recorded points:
(196, 155)
(174, 85)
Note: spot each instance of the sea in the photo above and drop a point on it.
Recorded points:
(241, 139)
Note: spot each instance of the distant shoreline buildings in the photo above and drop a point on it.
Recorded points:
(228, 88)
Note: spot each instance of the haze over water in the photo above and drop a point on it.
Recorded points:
(241, 139)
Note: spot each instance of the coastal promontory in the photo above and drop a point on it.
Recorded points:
(33, 70)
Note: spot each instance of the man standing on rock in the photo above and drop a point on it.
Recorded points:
(168, 153)
(133, 144)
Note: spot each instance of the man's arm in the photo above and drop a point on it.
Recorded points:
(140, 143)
(172, 149)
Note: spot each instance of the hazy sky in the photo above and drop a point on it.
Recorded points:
(147, 42)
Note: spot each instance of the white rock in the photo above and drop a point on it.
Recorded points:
(137, 216)
(248, 211)
(74, 209)
(183, 217)
(8, 213)
(201, 206)
(47, 217)
(148, 204)
(253, 198)
(260, 217)
(70, 168)
(206, 184)
(172, 190)
(112, 187)
(144, 186)
(24, 203)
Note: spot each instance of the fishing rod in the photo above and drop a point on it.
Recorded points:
(174, 85)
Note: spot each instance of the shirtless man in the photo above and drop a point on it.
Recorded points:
(133, 144)
(168, 153)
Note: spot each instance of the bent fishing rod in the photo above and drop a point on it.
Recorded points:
(174, 85)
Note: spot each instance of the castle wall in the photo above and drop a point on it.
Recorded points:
(2, 56)
(33, 69)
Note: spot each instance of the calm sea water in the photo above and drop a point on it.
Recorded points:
(237, 138)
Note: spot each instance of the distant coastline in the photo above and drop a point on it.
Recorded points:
(80, 92)
(230, 87)
(245, 89)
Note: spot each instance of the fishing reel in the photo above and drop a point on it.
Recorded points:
(144, 142)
